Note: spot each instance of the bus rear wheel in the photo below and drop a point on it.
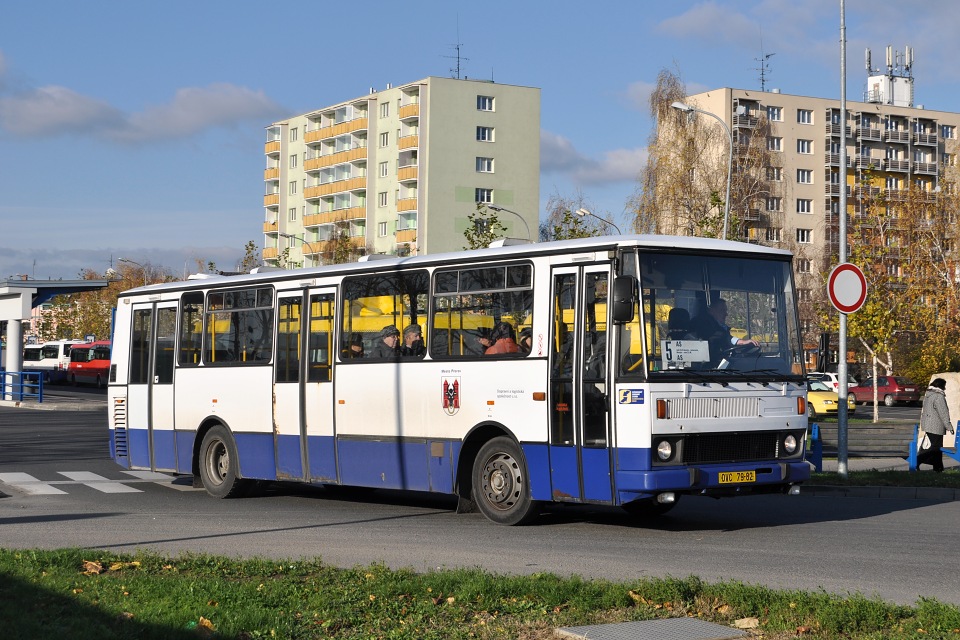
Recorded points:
(501, 487)
(218, 464)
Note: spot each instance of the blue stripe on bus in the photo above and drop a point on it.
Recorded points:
(538, 468)
(256, 455)
(289, 460)
(164, 451)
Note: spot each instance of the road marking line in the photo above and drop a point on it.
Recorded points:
(28, 484)
(163, 479)
(98, 482)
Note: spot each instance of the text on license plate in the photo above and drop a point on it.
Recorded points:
(732, 477)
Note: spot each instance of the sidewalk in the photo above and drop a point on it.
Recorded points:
(936, 494)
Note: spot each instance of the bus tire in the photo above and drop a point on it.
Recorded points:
(501, 487)
(219, 464)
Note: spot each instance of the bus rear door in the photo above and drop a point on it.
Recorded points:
(150, 387)
(580, 460)
(303, 393)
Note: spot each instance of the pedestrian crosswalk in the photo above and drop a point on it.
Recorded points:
(30, 485)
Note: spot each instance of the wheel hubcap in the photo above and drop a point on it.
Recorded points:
(502, 481)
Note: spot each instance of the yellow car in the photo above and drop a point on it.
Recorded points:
(824, 401)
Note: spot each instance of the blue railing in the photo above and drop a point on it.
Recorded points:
(915, 442)
(21, 385)
(815, 450)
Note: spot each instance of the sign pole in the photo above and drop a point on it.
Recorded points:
(842, 338)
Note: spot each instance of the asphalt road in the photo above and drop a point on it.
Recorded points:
(899, 550)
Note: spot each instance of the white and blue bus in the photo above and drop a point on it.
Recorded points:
(623, 395)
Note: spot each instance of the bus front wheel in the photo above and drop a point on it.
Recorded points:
(501, 486)
(218, 464)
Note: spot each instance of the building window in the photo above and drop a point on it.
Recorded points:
(485, 134)
(382, 229)
(948, 131)
(293, 161)
(384, 109)
(803, 295)
(949, 160)
(804, 236)
(292, 214)
(805, 176)
(294, 134)
(384, 168)
(484, 103)
(774, 204)
(775, 174)
(803, 265)
(484, 165)
(293, 187)
(893, 183)
(805, 146)
(773, 234)
(385, 139)
(775, 114)
(382, 199)
(804, 116)
(804, 205)
(774, 143)
(484, 195)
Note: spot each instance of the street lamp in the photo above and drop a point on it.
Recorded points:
(686, 108)
(526, 226)
(142, 268)
(307, 244)
(585, 212)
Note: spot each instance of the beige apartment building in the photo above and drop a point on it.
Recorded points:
(398, 171)
(899, 143)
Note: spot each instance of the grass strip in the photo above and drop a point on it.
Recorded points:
(82, 593)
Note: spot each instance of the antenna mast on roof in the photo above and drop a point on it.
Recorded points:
(764, 68)
(455, 71)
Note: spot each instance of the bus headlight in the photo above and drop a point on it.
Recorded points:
(790, 444)
(664, 450)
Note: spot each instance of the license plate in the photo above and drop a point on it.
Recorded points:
(735, 477)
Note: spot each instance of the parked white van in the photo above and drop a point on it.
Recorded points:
(52, 358)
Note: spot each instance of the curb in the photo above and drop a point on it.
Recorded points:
(932, 494)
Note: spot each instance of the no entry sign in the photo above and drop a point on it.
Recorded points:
(847, 287)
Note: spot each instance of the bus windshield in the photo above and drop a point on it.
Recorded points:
(719, 317)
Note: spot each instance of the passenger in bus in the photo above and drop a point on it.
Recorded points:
(412, 342)
(526, 340)
(354, 349)
(386, 348)
(678, 325)
(503, 340)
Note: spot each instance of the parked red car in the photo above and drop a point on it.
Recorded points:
(890, 389)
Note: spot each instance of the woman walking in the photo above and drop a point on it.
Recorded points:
(935, 422)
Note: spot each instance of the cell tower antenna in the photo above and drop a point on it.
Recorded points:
(455, 71)
(764, 67)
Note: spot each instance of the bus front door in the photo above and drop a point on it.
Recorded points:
(580, 460)
(150, 387)
(303, 393)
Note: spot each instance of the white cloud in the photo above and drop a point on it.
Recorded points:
(711, 23)
(54, 110)
(558, 155)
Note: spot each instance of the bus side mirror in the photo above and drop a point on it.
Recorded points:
(624, 298)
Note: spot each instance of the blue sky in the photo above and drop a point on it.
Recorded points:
(136, 129)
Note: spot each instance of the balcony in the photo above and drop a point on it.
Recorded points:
(272, 148)
(357, 124)
(337, 215)
(833, 130)
(407, 235)
(410, 111)
(338, 186)
(271, 199)
(271, 174)
(270, 253)
(833, 159)
(407, 204)
(833, 189)
(895, 165)
(896, 136)
(928, 168)
(409, 142)
(865, 162)
(340, 157)
(407, 174)
(270, 227)
(929, 139)
(745, 122)
(869, 133)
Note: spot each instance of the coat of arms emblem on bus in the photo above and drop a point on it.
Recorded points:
(451, 395)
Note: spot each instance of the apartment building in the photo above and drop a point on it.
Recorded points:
(890, 144)
(398, 171)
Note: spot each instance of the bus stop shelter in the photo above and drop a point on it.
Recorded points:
(19, 297)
